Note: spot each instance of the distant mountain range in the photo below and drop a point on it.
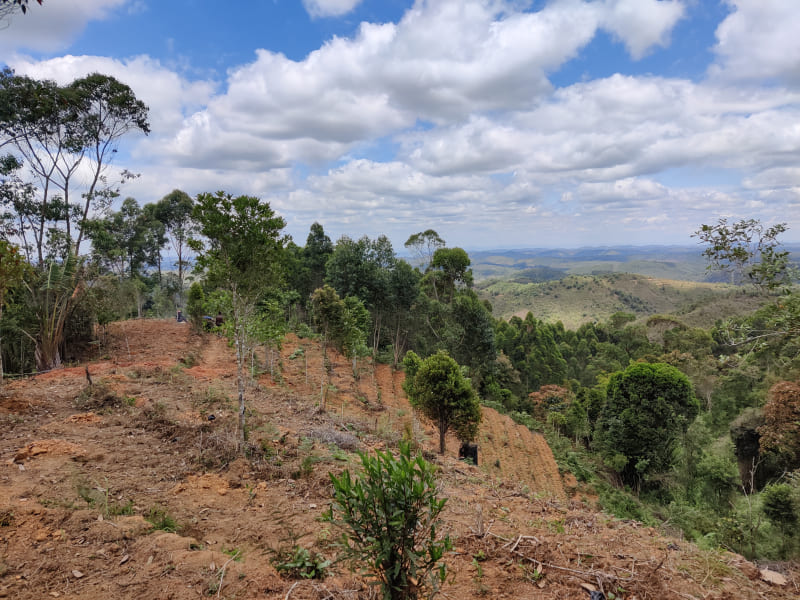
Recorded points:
(683, 263)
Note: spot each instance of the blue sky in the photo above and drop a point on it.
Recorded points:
(499, 123)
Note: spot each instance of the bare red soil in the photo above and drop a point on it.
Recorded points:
(83, 468)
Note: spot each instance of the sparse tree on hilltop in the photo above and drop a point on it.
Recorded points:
(175, 211)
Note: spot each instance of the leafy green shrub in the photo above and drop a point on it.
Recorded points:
(578, 467)
(498, 406)
(623, 505)
(301, 563)
(388, 518)
(194, 304)
(523, 418)
(304, 331)
(780, 506)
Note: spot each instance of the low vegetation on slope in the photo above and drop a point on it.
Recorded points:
(578, 299)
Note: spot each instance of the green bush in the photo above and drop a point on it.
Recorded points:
(303, 331)
(301, 563)
(194, 304)
(388, 517)
(780, 506)
(623, 505)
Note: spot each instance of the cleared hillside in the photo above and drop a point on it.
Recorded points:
(128, 489)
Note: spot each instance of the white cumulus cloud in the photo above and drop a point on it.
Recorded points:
(54, 25)
(329, 8)
(642, 24)
(759, 40)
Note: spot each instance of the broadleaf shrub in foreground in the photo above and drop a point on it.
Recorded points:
(389, 517)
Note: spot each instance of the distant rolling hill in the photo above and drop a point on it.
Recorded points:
(581, 285)
(578, 299)
(666, 262)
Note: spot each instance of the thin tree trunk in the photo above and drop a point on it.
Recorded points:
(239, 337)
(376, 333)
(1, 343)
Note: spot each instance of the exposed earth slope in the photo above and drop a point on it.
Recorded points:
(86, 472)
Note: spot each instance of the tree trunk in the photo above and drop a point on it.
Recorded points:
(376, 333)
(47, 354)
(1, 344)
(240, 383)
(399, 344)
(239, 341)
(47, 351)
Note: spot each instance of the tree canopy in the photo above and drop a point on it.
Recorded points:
(647, 407)
(437, 388)
(747, 250)
(58, 132)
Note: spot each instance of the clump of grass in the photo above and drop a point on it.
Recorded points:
(6, 518)
(100, 498)
(189, 361)
(218, 448)
(53, 503)
(234, 553)
(210, 396)
(160, 519)
(98, 396)
(8, 422)
(115, 509)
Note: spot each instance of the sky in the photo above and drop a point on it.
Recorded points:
(498, 123)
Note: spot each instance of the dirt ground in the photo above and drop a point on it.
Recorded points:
(132, 487)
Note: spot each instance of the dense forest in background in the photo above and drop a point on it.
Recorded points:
(664, 419)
